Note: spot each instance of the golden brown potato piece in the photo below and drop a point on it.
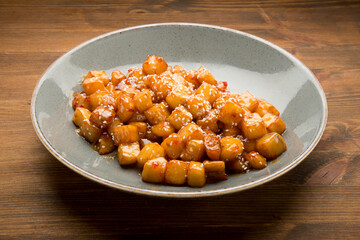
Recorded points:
(142, 128)
(231, 114)
(90, 132)
(248, 100)
(126, 107)
(116, 77)
(92, 85)
(161, 86)
(128, 153)
(80, 100)
(137, 117)
(135, 72)
(115, 122)
(154, 170)
(106, 144)
(266, 107)
(212, 146)
(196, 174)
(209, 122)
(180, 117)
(239, 165)
(80, 115)
(173, 146)
(198, 106)
(230, 148)
(215, 170)
(210, 92)
(154, 65)
(191, 77)
(253, 126)
(191, 132)
(178, 96)
(255, 160)
(204, 75)
(176, 172)
(125, 134)
(157, 113)
(102, 117)
(274, 123)
(143, 100)
(163, 129)
(194, 151)
(148, 152)
(100, 75)
(271, 145)
(232, 131)
(102, 99)
(249, 145)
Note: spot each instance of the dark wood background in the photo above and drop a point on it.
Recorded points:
(42, 199)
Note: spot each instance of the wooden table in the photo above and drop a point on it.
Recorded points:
(42, 199)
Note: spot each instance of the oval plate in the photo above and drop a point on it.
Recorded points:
(246, 62)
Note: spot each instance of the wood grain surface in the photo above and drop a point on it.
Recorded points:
(42, 199)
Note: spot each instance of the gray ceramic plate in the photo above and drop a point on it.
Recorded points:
(246, 62)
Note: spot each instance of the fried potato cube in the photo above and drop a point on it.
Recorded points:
(209, 122)
(194, 151)
(89, 131)
(212, 146)
(274, 123)
(232, 131)
(80, 115)
(180, 117)
(249, 145)
(102, 99)
(142, 128)
(125, 134)
(173, 146)
(126, 107)
(231, 114)
(191, 132)
(115, 122)
(176, 172)
(143, 100)
(253, 126)
(136, 72)
(148, 152)
(230, 148)
(271, 145)
(161, 86)
(154, 170)
(210, 92)
(204, 75)
(248, 100)
(154, 65)
(266, 107)
(179, 70)
(178, 96)
(198, 106)
(106, 144)
(163, 129)
(102, 117)
(80, 100)
(100, 75)
(92, 85)
(137, 117)
(239, 165)
(116, 77)
(157, 113)
(196, 174)
(255, 160)
(215, 170)
(128, 153)
(191, 77)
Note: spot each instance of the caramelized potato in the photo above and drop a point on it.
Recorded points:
(100, 75)
(90, 132)
(102, 117)
(143, 100)
(126, 107)
(271, 145)
(191, 132)
(249, 145)
(253, 126)
(141, 127)
(161, 86)
(136, 72)
(115, 122)
(176, 172)
(191, 77)
(198, 106)
(194, 151)
(255, 160)
(209, 122)
(173, 146)
(125, 134)
(101, 99)
(128, 153)
(106, 144)
(178, 96)
(196, 174)
(215, 170)
(180, 117)
(231, 131)
(154, 65)
(157, 114)
(231, 114)
(274, 123)
(154, 170)
(137, 117)
(248, 100)
(80, 115)
(204, 75)
(179, 70)
(163, 129)
(212, 146)
(116, 77)
(80, 100)
(239, 165)
(210, 92)
(230, 148)
(148, 152)
(266, 107)
(92, 85)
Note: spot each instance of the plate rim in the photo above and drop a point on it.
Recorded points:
(159, 193)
